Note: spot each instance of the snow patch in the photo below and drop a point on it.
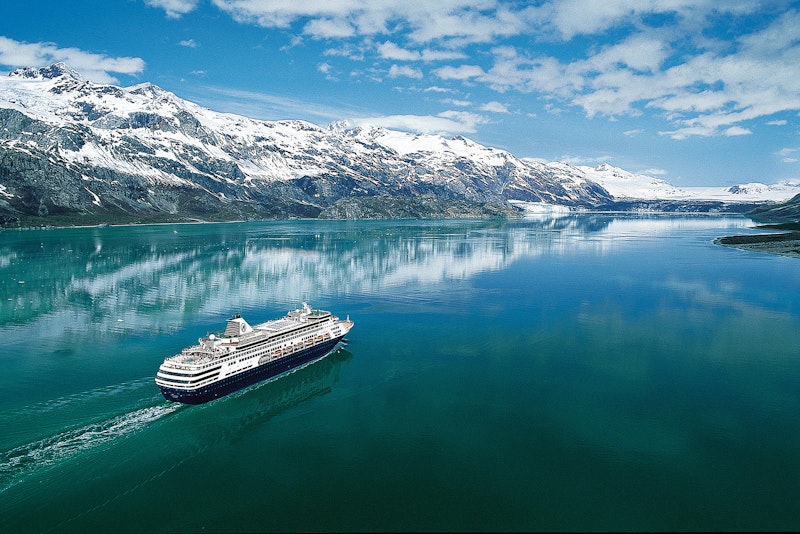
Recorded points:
(536, 209)
(96, 200)
(4, 192)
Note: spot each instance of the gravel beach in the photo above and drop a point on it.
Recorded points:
(783, 244)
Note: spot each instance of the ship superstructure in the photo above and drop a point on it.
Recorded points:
(244, 354)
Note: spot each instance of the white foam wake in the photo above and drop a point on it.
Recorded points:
(22, 460)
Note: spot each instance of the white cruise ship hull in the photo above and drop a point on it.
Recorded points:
(249, 377)
(244, 354)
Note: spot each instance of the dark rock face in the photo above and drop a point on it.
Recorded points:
(417, 207)
(781, 212)
(678, 206)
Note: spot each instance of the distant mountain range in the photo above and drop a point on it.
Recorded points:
(72, 152)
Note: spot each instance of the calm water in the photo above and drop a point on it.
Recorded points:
(580, 373)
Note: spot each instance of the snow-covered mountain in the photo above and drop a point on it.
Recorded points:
(69, 146)
(625, 185)
(75, 149)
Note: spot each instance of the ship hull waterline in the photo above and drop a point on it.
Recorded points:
(252, 376)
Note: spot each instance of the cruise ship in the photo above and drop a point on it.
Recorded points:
(244, 354)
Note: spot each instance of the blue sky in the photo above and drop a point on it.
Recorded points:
(696, 92)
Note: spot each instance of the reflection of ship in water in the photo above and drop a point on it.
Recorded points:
(269, 399)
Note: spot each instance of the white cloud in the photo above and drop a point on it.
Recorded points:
(569, 18)
(329, 29)
(643, 56)
(397, 71)
(640, 52)
(469, 120)
(786, 153)
(462, 72)
(173, 8)
(458, 21)
(269, 107)
(736, 130)
(441, 55)
(455, 102)
(781, 122)
(347, 51)
(446, 123)
(495, 107)
(390, 50)
(703, 94)
(188, 43)
(582, 160)
(654, 172)
(95, 67)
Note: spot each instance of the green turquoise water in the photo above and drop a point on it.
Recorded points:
(590, 372)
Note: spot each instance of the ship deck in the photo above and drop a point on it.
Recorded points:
(200, 355)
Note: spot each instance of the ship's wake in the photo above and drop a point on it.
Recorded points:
(37, 454)
(85, 397)
(19, 462)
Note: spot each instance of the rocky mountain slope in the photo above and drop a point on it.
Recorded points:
(69, 147)
(72, 151)
(781, 212)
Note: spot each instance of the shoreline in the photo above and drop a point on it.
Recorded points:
(783, 244)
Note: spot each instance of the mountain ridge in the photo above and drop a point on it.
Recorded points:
(90, 152)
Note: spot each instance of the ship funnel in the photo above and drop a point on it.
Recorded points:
(237, 326)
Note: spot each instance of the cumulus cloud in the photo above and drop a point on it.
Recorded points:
(494, 107)
(390, 50)
(462, 72)
(437, 89)
(459, 21)
(639, 56)
(705, 94)
(569, 18)
(397, 71)
(95, 67)
(456, 102)
(446, 123)
(173, 8)
(329, 29)
(736, 130)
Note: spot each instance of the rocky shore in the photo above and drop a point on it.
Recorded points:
(782, 244)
